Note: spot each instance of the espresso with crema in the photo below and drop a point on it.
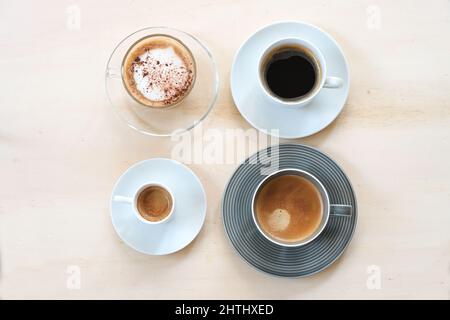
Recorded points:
(289, 208)
(154, 203)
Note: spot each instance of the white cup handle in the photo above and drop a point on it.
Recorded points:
(123, 199)
(333, 82)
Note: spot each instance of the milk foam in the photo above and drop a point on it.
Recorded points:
(279, 220)
(160, 74)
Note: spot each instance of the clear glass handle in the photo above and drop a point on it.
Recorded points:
(113, 73)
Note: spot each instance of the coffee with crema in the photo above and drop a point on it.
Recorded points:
(289, 208)
(154, 203)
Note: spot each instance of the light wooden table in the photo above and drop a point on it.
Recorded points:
(62, 148)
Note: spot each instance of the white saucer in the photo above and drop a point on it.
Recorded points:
(265, 116)
(189, 213)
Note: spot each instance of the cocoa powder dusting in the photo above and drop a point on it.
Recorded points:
(172, 80)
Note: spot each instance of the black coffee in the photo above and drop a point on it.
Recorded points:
(290, 73)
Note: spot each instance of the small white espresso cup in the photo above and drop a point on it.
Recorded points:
(323, 80)
(328, 209)
(133, 201)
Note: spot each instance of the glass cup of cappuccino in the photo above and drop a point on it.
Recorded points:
(158, 71)
(153, 203)
(291, 207)
(293, 71)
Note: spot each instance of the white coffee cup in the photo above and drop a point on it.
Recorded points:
(328, 209)
(134, 199)
(323, 81)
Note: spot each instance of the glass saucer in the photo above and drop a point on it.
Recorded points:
(164, 121)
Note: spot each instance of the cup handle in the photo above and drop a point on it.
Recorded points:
(341, 210)
(123, 199)
(113, 73)
(333, 82)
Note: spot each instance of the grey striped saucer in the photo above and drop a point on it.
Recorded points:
(270, 257)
